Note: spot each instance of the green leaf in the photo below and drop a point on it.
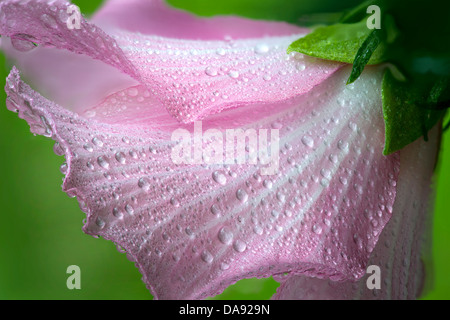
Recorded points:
(410, 110)
(339, 42)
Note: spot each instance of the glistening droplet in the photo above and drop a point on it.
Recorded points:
(308, 141)
(219, 177)
(241, 195)
(23, 42)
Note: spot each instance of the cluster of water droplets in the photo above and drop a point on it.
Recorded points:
(196, 76)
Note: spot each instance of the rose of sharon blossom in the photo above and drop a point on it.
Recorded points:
(112, 93)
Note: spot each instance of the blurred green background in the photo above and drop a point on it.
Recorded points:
(40, 227)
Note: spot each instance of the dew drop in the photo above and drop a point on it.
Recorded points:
(117, 213)
(64, 168)
(308, 141)
(144, 184)
(133, 92)
(215, 210)
(276, 125)
(225, 236)
(343, 180)
(207, 256)
(129, 209)
(233, 74)
(333, 158)
(267, 184)
(211, 71)
(221, 52)
(100, 42)
(120, 157)
(258, 230)
(325, 173)
(58, 149)
(22, 43)
(317, 229)
(219, 177)
(48, 21)
(241, 195)
(97, 142)
(100, 223)
(281, 197)
(358, 188)
(90, 114)
(103, 162)
(342, 145)
(300, 67)
(224, 266)
(262, 48)
(239, 246)
(174, 202)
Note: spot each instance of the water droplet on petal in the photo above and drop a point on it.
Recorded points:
(100, 42)
(262, 48)
(258, 230)
(233, 74)
(48, 21)
(277, 125)
(97, 142)
(129, 209)
(317, 229)
(342, 145)
(103, 162)
(133, 92)
(64, 168)
(207, 256)
(325, 173)
(221, 52)
(300, 67)
(100, 223)
(211, 71)
(144, 184)
(23, 42)
(174, 202)
(267, 184)
(215, 210)
(224, 266)
(241, 195)
(239, 246)
(117, 213)
(120, 157)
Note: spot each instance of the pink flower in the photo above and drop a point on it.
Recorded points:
(120, 89)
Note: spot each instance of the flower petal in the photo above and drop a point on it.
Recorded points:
(192, 79)
(194, 229)
(403, 245)
(155, 17)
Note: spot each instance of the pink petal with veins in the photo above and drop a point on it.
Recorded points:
(403, 247)
(194, 229)
(154, 17)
